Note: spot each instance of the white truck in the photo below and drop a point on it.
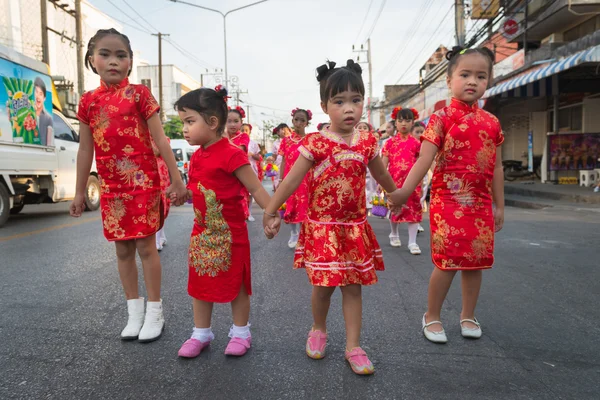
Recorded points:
(38, 146)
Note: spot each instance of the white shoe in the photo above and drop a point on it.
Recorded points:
(293, 241)
(154, 322)
(420, 229)
(395, 241)
(435, 337)
(251, 218)
(135, 309)
(159, 246)
(414, 249)
(471, 333)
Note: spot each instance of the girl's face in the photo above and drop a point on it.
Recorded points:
(111, 59)
(234, 123)
(300, 121)
(362, 127)
(196, 130)
(418, 131)
(246, 129)
(389, 129)
(470, 77)
(404, 126)
(344, 110)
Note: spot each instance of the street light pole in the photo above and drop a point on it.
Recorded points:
(224, 24)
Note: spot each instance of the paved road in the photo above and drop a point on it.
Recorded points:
(62, 310)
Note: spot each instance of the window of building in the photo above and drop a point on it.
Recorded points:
(581, 30)
(570, 119)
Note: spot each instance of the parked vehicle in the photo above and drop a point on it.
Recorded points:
(38, 145)
(183, 152)
(514, 169)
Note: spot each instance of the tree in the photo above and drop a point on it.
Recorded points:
(174, 128)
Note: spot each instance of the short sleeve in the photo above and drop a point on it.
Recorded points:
(434, 132)
(84, 107)
(500, 138)
(313, 147)
(253, 147)
(371, 147)
(236, 160)
(147, 104)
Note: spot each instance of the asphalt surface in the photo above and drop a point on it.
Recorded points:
(62, 310)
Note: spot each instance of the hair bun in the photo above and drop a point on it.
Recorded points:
(324, 70)
(489, 53)
(454, 52)
(352, 66)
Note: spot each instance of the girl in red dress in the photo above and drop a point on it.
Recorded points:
(297, 204)
(255, 160)
(337, 246)
(280, 131)
(119, 121)
(371, 184)
(417, 131)
(165, 181)
(219, 254)
(400, 153)
(235, 119)
(467, 190)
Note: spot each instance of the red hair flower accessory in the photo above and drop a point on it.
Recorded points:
(221, 90)
(308, 112)
(239, 110)
(398, 109)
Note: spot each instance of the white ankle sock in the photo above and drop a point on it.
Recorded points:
(413, 229)
(203, 334)
(240, 331)
(295, 229)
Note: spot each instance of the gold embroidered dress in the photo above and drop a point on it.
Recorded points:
(130, 185)
(462, 221)
(219, 253)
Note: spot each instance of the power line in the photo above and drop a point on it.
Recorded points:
(124, 13)
(139, 15)
(364, 20)
(376, 19)
(194, 59)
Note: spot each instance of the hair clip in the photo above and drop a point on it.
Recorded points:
(219, 88)
(462, 51)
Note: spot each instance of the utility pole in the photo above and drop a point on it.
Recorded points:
(79, 40)
(217, 72)
(459, 17)
(237, 95)
(368, 51)
(44, 16)
(160, 80)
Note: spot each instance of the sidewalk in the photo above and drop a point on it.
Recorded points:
(528, 194)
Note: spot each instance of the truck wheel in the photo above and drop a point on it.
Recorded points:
(17, 209)
(4, 204)
(92, 194)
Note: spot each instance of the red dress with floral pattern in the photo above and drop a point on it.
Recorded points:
(219, 253)
(297, 203)
(242, 141)
(402, 152)
(337, 245)
(462, 220)
(130, 187)
(165, 179)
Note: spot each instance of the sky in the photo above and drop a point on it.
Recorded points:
(273, 48)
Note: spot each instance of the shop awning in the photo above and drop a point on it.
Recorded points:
(586, 56)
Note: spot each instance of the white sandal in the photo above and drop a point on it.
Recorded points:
(414, 249)
(435, 337)
(471, 333)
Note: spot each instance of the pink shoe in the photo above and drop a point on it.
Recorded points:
(359, 362)
(315, 344)
(238, 346)
(192, 348)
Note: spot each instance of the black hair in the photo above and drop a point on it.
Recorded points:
(238, 112)
(457, 52)
(208, 103)
(248, 125)
(281, 126)
(336, 80)
(38, 82)
(419, 124)
(405, 113)
(99, 35)
(297, 110)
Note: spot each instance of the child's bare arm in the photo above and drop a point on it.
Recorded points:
(85, 157)
(379, 172)
(416, 174)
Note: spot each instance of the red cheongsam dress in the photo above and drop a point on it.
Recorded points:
(402, 153)
(165, 180)
(242, 141)
(130, 185)
(219, 254)
(337, 245)
(462, 220)
(297, 203)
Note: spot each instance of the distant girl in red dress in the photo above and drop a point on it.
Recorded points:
(297, 204)
(235, 118)
(119, 122)
(165, 181)
(418, 130)
(400, 153)
(280, 131)
(255, 160)
(467, 190)
(219, 254)
(371, 184)
(337, 245)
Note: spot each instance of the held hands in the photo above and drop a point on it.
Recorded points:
(178, 193)
(498, 218)
(397, 199)
(271, 225)
(77, 206)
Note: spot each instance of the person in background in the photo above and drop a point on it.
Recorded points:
(44, 120)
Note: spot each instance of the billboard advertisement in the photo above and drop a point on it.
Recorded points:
(25, 105)
(485, 9)
(574, 151)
